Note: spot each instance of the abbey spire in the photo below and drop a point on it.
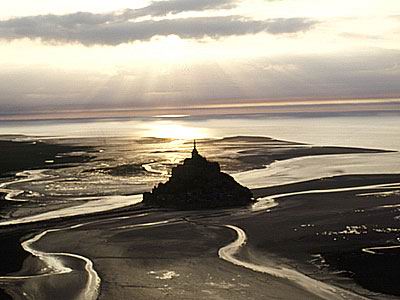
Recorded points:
(194, 151)
(198, 184)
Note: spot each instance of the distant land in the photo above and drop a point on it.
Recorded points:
(308, 106)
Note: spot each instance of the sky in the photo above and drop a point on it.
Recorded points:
(68, 56)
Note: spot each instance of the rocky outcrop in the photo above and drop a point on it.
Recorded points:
(198, 184)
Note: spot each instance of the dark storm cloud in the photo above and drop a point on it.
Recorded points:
(118, 28)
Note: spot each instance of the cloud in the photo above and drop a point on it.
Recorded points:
(347, 75)
(163, 8)
(117, 28)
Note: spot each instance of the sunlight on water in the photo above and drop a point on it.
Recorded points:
(170, 129)
(371, 131)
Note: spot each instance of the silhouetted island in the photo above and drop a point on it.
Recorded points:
(198, 184)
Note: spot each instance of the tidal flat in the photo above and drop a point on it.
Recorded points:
(76, 228)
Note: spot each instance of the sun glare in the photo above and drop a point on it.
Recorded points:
(175, 131)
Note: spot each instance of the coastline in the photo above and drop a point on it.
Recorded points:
(18, 156)
(176, 268)
(124, 227)
(333, 224)
(172, 245)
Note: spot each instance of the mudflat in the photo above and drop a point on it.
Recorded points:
(312, 243)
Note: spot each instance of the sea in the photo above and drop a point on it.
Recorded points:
(379, 130)
(134, 154)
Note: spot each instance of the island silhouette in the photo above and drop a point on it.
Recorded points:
(198, 184)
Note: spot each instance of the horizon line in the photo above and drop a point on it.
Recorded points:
(257, 106)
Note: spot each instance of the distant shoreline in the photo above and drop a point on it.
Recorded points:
(273, 107)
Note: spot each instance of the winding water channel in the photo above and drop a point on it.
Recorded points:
(56, 262)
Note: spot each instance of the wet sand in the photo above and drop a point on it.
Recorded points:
(18, 156)
(142, 253)
(172, 260)
(325, 232)
(29, 155)
(12, 250)
(149, 253)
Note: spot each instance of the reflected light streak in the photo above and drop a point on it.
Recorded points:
(175, 131)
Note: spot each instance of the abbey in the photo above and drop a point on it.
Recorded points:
(198, 184)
